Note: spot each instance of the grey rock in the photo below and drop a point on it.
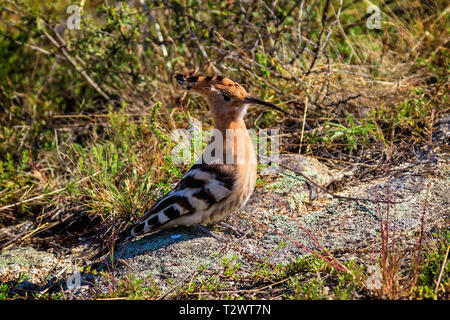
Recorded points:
(30, 265)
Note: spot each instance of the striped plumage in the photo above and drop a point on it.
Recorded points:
(210, 190)
(205, 195)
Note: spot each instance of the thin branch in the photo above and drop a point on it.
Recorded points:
(39, 49)
(77, 67)
(44, 195)
(318, 48)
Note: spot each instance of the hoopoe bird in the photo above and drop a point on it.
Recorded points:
(211, 189)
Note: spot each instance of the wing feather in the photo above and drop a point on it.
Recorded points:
(202, 187)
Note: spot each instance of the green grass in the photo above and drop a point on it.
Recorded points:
(4, 291)
(353, 136)
(307, 277)
(432, 266)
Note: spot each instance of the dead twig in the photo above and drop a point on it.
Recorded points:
(335, 196)
(62, 48)
(441, 271)
(44, 195)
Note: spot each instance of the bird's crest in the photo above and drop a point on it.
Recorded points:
(207, 84)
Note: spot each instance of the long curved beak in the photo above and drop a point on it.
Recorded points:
(264, 103)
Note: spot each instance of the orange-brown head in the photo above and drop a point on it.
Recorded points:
(227, 98)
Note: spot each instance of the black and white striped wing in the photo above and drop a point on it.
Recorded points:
(200, 189)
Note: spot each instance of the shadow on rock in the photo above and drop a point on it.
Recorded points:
(156, 241)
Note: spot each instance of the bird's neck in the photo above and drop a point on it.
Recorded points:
(237, 144)
(223, 124)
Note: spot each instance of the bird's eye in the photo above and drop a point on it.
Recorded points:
(226, 98)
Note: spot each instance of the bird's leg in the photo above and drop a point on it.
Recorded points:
(231, 228)
(210, 233)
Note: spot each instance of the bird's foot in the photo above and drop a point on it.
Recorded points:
(210, 233)
(233, 229)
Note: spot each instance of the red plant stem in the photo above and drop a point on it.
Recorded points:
(317, 254)
(380, 215)
(387, 213)
(303, 247)
(422, 226)
(319, 245)
(394, 227)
